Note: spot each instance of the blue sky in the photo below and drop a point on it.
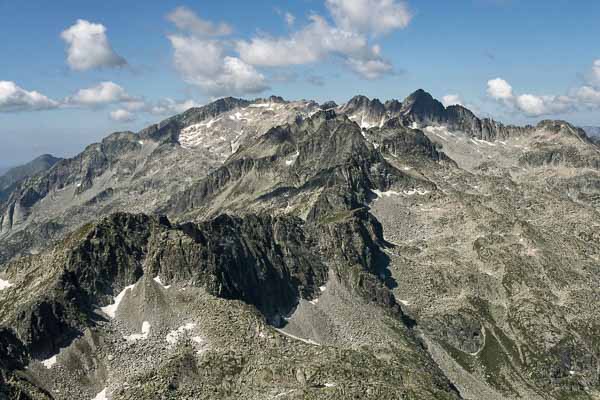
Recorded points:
(542, 51)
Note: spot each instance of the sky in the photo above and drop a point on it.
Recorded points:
(72, 72)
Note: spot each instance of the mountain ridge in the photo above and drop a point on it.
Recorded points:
(275, 248)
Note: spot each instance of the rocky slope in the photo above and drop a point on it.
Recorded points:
(11, 176)
(369, 250)
(133, 172)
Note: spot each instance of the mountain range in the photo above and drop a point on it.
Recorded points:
(281, 249)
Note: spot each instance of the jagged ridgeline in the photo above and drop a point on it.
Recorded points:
(273, 249)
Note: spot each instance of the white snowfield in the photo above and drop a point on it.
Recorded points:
(157, 280)
(421, 192)
(364, 122)
(101, 395)
(140, 336)
(111, 310)
(440, 131)
(49, 363)
(222, 135)
(174, 336)
(307, 341)
(390, 193)
(5, 284)
(292, 159)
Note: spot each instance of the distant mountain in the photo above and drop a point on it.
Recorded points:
(3, 170)
(593, 131)
(11, 176)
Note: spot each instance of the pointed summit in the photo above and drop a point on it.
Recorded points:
(422, 108)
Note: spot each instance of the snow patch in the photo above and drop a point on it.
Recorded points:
(211, 122)
(440, 131)
(5, 284)
(143, 336)
(49, 363)
(157, 280)
(389, 193)
(174, 336)
(284, 393)
(101, 395)
(404, 302)
(480, 141)
(292, 159)
(412, 192)
(322, 288)
(330, 385)
(307, 341)
(111, 310)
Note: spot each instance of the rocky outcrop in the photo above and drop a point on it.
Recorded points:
(13, 355)
(267, 262)
(15, 383)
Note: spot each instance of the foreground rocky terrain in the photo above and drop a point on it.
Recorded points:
(273, 249)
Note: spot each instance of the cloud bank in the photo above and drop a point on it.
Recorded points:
(583, 97)
(219, 66)
(15, 99)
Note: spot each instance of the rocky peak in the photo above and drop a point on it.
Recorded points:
(422, 108)
(562, 128)
(213, 109)
(365, 112)
(393, 106)
(277, 99)
(328, 105)
(17, 174)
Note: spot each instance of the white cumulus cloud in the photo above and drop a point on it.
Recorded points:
(290, 19)
(374, 17)
(101, 94)
(208, 62)
(594, 75)
(535, 106)
(185, 19)
(529, 104)
(122, 115)
(308, 45)
(313, 43)
(14, 98)
(88, 47)
(205, 64)
(588, 95)
(499, 89)
(451, 100)
(370, 69)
